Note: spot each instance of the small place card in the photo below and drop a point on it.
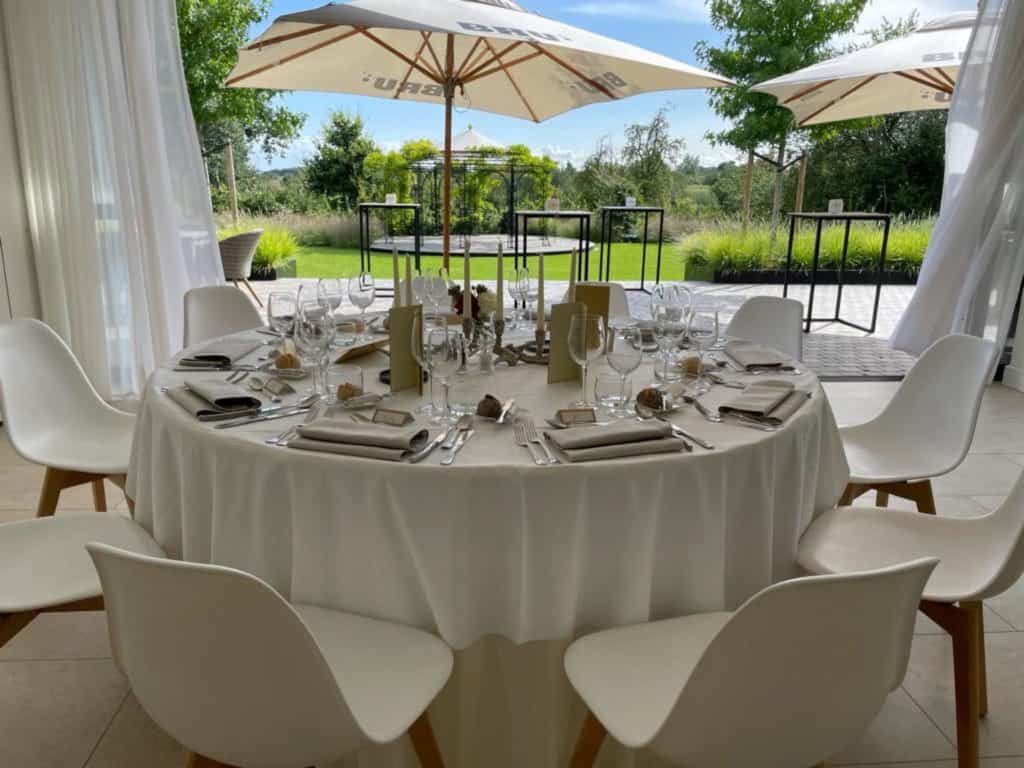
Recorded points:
(576, 416)
(392, 418)
(362, 350)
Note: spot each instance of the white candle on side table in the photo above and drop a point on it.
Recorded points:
(394, 271)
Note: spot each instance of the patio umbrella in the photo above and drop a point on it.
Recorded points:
(910, 73)
(491, 55)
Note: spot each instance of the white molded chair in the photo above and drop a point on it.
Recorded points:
(217, 310)
(790, 679)
(979, 558)
(927, 427)
(55, 418)
(772, 321)
(240, 677)
(44, 566)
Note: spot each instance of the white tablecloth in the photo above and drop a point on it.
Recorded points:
(493, 546)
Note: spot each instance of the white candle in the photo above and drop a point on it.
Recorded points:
(467, 287)
(501, 282)
(408, 280)
(572, 276)
(540, 292)
(394, 269)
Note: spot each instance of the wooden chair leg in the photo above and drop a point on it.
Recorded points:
(53, 483)
(979, 612)
(99, 496)
(589, 742)
(881, 499)
(424, 743)
(850, 494)
(257, 298)
(925, 498)
(192, 760)
(12, 623)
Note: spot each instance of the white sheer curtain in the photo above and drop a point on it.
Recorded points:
(972, 271)
(118, 203)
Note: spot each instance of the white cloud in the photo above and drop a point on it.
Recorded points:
(295, 155)
(676, 10)
(562, 155)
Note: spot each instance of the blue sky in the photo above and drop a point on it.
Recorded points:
(671, 27)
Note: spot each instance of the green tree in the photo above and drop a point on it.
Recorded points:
(649, 153)
(337, 168)
(765, 40)
(210, 33)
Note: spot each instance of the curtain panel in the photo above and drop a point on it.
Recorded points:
(117, 196)
(972, 270)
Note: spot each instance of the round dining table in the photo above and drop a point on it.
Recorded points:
(506, 560)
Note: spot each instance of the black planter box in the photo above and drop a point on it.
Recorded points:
(825, 277)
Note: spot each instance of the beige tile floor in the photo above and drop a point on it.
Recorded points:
(63, 704)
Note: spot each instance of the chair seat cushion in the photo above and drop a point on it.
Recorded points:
(389, 673)
(43, 562)
(850, 539)
(888, 458)
(631, 677)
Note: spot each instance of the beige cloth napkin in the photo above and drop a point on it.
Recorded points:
(750, 355)
(220, 354)
(631, 438)
(214, 401)
(770, 402)
(368, 441)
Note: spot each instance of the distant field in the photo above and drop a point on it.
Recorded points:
(626, 261)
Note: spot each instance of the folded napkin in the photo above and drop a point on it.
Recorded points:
(750, 355)
(220, 354)
(214, 400)
(629, 438)
(368, 441)
(770, 402)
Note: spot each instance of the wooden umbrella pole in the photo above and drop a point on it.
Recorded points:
(449, 97)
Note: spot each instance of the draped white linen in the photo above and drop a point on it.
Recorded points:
(505, 560)
(117, 198)
(972, 271)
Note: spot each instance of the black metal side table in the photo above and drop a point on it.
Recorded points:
(365, 243)
(608, 214)
(582, 217)
(848, 218)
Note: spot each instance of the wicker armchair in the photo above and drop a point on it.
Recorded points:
(236, 253)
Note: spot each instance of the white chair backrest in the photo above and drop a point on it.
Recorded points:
(799, 672)
(618, 304)
(222, 663)
(217, 310)
(1006, 538)
(771, 321)
(938, 401)
(43, 389)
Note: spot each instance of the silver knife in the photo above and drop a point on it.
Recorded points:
(420, 455)
(683, 433)
(459, 444)
(260, 419)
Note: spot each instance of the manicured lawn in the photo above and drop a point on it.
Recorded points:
(626, 261)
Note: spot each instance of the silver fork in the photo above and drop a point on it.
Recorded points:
(524, 442)
(533, 437)
(286, 437)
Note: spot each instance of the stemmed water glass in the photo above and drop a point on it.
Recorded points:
(281, 312)
(421, 326)
(362, 291)
(330, 295)
(667, 312)
(624, 355)
(522, 288)
(443, 354)
(437, 292)
(314, 334)
(586, 345)
(703, 332)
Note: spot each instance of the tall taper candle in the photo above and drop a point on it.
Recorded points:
(467, 285)
(540, 294)
(394, 269)
(572, 276)
(500, 289)
(408, 299)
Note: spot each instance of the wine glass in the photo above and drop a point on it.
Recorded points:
(667, 313)
(281, 313)
(624, 355)
(419, 288)
(421, 326)
(362, 291)
(523, 285)
(443, 355)
(586, 344)
(330, 293)
(437, 290)
(314, 334)
(703, 332)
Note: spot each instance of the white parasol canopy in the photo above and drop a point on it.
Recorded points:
(491, 55)
(916, 72)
